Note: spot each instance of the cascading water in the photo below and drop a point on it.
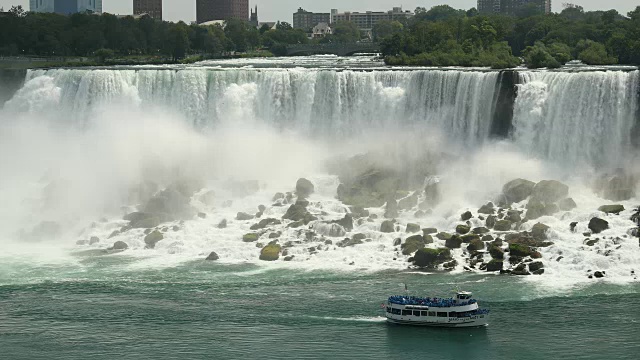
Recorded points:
(583, 118)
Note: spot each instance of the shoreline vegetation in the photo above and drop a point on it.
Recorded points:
(440, 36)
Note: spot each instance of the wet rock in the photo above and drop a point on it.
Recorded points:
(94, 240)
(244, 216)
(475, 245)
(494, 265)
(420, 214)
(346, 222)
(590, 242)
(264, 223)
(518, 190)
(397, 242)
(611, 209)
(539, 231)
(278, 196)
(331, 230)
(250, 237)
(535, 266)
(490, 222)
(412, 244)
(350, 242)
(387, 226)
(222, 224)
(536, 255)
(454, 242)
(597, 225)
(304, 188)
(487, 238)
(520, 270)
(431, 258)
(450, 265)
(550, 191)
(428, 239)
(567, 204)
(617, 187)
(202, 215)
(599, 274)
(288, 258)
(82, 242)
(142, 220)
(538, 272)
(502, 225)
(467, 238)
(573, 225)
(153, 238)
(275, 235)
(429, 231)
(513, 216)
(488, 209)
(391, 208)
(408, 202)
(119, 245)
(298, 212)
(466, 216)
(359, 211)
(444, 236)
(113, 234)
(519, 250)
(481, 230)
(496, 252)
(212, 257)
(270, 252)
(262, 208)
(413, 228)
(462, 229)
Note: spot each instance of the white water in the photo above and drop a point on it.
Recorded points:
(95, 134)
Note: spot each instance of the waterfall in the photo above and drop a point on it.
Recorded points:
(576, 118)
(310, 101)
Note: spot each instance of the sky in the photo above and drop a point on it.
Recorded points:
(272, 10)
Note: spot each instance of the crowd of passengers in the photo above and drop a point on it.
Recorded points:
(435, 302)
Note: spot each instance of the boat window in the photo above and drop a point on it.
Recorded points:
(442, 314)
(453, 314)
(406, 312)
(425, 313)
(416, 313)
(388, 309)
(432, 313)
(395, 311)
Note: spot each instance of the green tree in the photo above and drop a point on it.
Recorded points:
(103, 54)
(345, 32)
(178, 43)
(594, 53)
(386, 28)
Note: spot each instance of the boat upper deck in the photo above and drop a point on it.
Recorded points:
(431, 302)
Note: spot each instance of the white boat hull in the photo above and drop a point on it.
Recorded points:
(474, 321)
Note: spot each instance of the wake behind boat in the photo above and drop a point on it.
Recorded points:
(461, 311)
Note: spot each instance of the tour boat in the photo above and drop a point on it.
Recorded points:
(461, 311)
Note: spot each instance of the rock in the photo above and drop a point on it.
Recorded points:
(391, 208)
(462, 229)
(331, 230)
(212, 257)
(469, 238)
(491, 221)
(346, 222)
(359, 211)
(277, 196)
(518, 190)
(412, 244)
(519, 250)
(475, 245)
(496, 252)
(431, 258)
(598, 225)
(590, 242)
(119, 245)
(202, 215)
(222, 224)
(450, 265)
(94, 240)
(567, 204)
(153, 238)
(573, 225)
(250, 237)
(466, 216)
(481, 230)
(539, 231)
(288, 258)
(494, 265)
(514, 216)
(535, 209)
(270, 252)
(454, 242)
(599, 274)
(444, 236)
(350, 242)
(487, 238)
(538, 272)
(143, 220)
(275, 235)
(304, 188)
(420, 214)
(113, 234)
(387, 226)
(408, 202)
(429, 231)
(264, 223)
(550, 191)
(618, 187)
(428, 239)
(611, 209)
(535, 266)
(412, 228)
(636, 216)
(488, 209)
(243, 216)
(172, 202)
(262, 208)
(298, 212)
(502, 225)
(520, 270)
(397, 242)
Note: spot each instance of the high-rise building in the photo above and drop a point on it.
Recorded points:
(367, 20)
(152, 8)
(511, 7)
(66, 7)
(208, 10)
(306, 20)
(253, 19)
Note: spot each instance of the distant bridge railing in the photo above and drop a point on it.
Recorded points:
(336, 49)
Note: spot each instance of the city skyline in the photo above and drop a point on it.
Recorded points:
(282, 10)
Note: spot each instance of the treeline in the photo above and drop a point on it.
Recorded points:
(443, 36)
(103, 36)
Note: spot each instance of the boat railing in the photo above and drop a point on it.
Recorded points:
(432, 302)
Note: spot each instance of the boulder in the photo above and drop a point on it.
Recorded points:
(618, 187)
(431, 258)
(535, 209)
(397, 242)
(153, 238)
(520, 270)
(172, 203)
(466, 216)
(488, 209)
(454, 242)
(514, 216)
(611, 209)
(494, 265)
(567, 204)
(475, 245)
(591, 242)
(598, 225)
(244, 216)
(391, 208)
(413, 228)
(572, 226)
(408, 202)
(119, 245)
(636, 217)
(213, 256)
(519, 250)
(539, 231)
(94, 240)
(359, 211)
(304, 188)
(496, 252)
(270, 252)
(420, 214)
(428, 239)
(467, 238)
(356, 240)
(264, 223)
(487, 238)
(387, 226)
(278, 196)
(490, 222)
(444, 236)
(535, 266)
(550, 191)
(346, 222)
(250, 237)
(412, 244)
(462, 229)
(502, 225)
(298, 212)
(202, 215)
(518, 190)
(331, 230)
(429, 231)
(599, 274)
(481, 230)
(222, 224)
